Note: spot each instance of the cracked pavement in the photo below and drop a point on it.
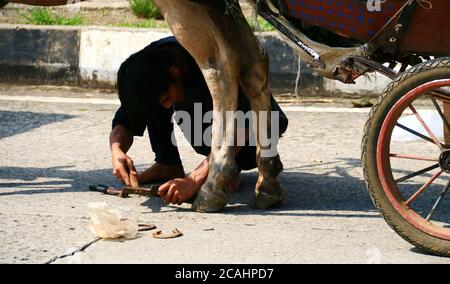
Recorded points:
(52, 152)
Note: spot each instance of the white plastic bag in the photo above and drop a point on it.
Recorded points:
(108, 223)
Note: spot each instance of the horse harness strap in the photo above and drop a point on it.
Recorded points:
(400, 27)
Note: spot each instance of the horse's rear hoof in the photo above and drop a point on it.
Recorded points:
(268, 196)
(266, 201)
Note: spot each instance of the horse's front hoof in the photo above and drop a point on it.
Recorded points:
(210, 201)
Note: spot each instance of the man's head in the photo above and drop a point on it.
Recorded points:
(147, 80)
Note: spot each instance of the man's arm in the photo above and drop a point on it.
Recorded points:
(200, 174)
(120, 141)
(120, 138)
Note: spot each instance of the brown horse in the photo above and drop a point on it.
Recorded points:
(221, 41)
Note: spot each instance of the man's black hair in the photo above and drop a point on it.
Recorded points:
(141, 80)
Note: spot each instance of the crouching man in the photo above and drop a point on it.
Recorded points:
(153, 84)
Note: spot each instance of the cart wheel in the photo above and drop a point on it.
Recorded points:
(406, 155)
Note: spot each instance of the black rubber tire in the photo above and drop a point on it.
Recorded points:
(431, 70)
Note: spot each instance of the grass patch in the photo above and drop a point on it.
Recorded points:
(146, 24)
(107, 17)
(145, 9)
(264, 26)
(44, 16)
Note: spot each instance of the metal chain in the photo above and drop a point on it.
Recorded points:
(425, 4)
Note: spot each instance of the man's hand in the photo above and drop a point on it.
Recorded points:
(120, 141)
(123, 168)
(178, 190)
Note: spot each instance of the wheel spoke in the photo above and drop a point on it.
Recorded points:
(441, 94)
(438, 108)
(423, 188)
(427, 129)
(411, 157)
(438, 201)
(417, 173)
(414, 132)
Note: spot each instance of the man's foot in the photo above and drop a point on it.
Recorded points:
(161, 172)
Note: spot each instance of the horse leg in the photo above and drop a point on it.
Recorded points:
(254, 79)
(223, 86)
(207, 33)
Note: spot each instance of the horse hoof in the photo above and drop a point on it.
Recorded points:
(268, 197)
(210, 201)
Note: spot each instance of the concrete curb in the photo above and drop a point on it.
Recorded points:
(35, 55)
(91, 56)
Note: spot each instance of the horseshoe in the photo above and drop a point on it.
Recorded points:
(160, 235)
(146, 227)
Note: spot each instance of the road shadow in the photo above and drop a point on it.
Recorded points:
(334, 189)
(16, 122)
(29, 180)
(331, 190)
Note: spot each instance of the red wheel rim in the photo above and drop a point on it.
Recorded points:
(385, 173)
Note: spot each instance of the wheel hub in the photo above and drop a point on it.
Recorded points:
(444, 161)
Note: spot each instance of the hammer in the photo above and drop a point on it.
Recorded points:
(126, 191)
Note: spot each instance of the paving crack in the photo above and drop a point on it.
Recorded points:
(80, 249)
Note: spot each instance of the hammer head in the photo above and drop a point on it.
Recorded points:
(142, 191)
(124, 193)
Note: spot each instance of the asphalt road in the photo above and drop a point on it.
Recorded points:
(54, 148)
